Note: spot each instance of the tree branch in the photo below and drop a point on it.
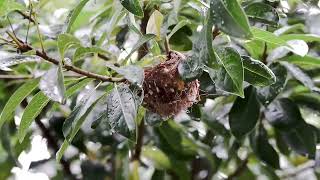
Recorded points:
(25, 16)
(23, 47)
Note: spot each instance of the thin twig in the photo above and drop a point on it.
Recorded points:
(29, 24)
(26, 47)
(38, 30)
(138, 147)
(25, 16)
(167, 45)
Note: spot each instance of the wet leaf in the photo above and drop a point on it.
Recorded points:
(6, 62)
(7, 6)
(122, 111)
(256, 73)
(66, 41)
(230, 18)
(51, 84)
(190, 68)
(177, 27)
(267, 94)
(261, 12)
(143, 39)
(229, 77)
(82, 51)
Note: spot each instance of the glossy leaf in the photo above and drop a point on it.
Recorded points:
(256, 73)
(262, 148)
(72, 16)
(230, 18)
(154, 24)
(303, 61)
(261, 12)
(16, 98)
(160, 159)
(133, 6)
(6, 62)
(267, 94)
(229, 77)
(122, 111)
(244, 114)
(51, 84)
(190, 68)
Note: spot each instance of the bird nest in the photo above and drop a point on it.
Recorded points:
(165, 92)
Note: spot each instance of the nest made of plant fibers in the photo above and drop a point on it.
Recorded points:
(165, 93)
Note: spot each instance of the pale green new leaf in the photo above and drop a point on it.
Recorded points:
(72, 16)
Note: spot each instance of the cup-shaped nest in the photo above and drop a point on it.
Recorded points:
(165, 92)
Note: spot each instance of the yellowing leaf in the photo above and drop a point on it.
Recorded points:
(154, 24)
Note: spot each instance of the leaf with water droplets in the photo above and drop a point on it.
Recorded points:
(229, 77)
(262, 12)
(267, 94)
(256, 73)
(133, 6)
(51, 84)
(230, 18)
(6, 62)
(122, 111)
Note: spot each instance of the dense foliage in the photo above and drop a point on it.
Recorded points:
(80, 74)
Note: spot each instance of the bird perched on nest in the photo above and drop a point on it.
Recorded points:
(165, 92)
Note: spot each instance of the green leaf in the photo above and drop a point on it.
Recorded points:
(133, 6)
(16, 59)
(82, 51)
(7, 6)
(244, 113)
(158, 158)
(76, 127)
(284, 114)
(261, 12)
(51, 84)
(190, 68)
(293, 45)
(302, 140)
(122, 111)
(304, 37)
(132, 73)
(267, 94)
(177, 27)
(143, 39)
(298, 74)
(256, 73)
(154, 24)
(207, 85)
(16, 98)
(72, 16)
(230, 18)
(38, 102)
(309, 61)
(229, 77)
(65, 41)
(77, 113)
(261, 147)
